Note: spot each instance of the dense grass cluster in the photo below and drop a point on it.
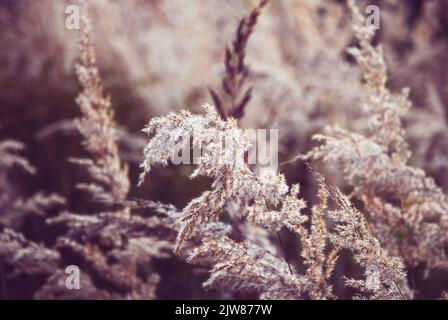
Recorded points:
(357, 208)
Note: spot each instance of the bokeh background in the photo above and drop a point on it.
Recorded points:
(157, 56)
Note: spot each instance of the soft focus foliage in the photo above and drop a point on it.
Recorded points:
(362, 183)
